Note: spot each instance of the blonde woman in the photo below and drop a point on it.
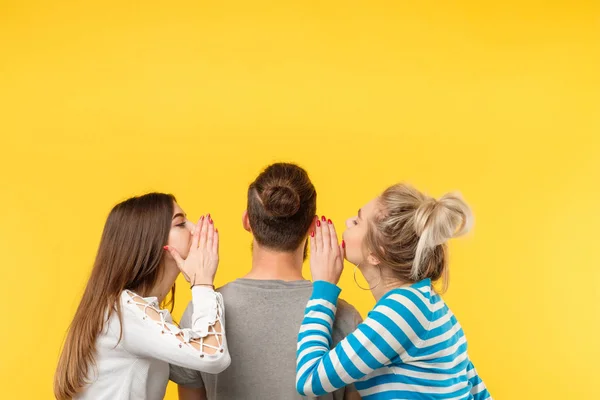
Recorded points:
(410, 346)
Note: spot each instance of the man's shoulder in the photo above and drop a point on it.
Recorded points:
(347, 317)
(234, 290)
(226, 287)
(186, 317)
(345, 307)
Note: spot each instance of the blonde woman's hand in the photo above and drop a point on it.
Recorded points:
(326, 254)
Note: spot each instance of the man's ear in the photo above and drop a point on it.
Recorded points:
(312, 226)
(246, 221)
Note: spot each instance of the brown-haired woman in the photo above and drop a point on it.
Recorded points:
(120, 343)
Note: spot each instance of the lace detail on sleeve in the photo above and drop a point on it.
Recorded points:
(207, 340)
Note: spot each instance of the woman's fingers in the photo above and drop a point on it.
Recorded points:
(325, 236)
(333, 236)
(342, 249)
(318, 238)
(215, 246)
(175, 254)
(210, 232)
(203, 231)
(325, 261)
(196, 235)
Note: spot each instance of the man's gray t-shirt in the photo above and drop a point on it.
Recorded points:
(262, 320)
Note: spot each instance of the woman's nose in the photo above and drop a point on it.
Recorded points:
(349, 222)
(190, 225)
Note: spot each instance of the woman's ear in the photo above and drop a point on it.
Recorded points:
(371, 259)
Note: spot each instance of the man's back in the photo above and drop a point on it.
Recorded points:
(262, 320)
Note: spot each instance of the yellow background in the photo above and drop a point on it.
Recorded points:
(103, 100)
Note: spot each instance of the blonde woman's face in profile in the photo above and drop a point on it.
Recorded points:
(356, 229)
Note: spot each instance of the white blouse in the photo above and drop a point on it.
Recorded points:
(137, 367)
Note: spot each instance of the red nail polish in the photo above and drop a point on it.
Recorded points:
(312, 234)
(318, 223)
(323, 218)
(343, 244)
(166, 247)
(216, 230)
(329, 221)
(208, 215)
(210, 220)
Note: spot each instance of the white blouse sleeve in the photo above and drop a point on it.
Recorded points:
(148, 331)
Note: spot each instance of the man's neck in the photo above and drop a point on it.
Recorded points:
(275, 265)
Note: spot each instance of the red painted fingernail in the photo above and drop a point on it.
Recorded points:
(210, 220)
(323, 218)
(343, 244)
(312, 234)
(202, 218)
(208, 215)
(166, 247)
(329, 221)
(216, 230)
(318, 223)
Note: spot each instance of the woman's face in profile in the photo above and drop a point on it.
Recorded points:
(356, 229)
(180, 235)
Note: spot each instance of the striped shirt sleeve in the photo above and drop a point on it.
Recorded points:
(478, 389)
(389, 333)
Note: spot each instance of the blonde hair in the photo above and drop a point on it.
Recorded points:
(410, 233)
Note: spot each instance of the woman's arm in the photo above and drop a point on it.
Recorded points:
(478, 389)
(148, 332)
(385, 336)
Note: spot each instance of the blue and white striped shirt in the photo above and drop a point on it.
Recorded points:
(410, 347)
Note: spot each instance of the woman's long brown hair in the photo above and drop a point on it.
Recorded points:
(129, 257)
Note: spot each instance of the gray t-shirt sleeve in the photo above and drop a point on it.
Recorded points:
(347, 319)
(185, 376)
